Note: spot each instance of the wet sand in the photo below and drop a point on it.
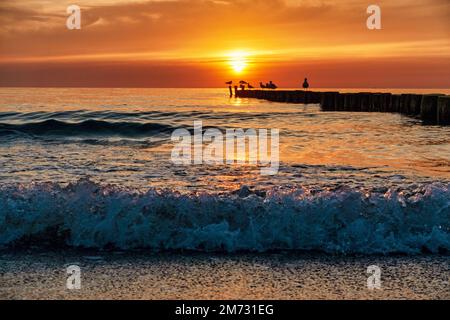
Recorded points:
(118, 275)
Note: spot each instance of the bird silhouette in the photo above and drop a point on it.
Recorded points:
(271, 85)
(229, 82)
(305, 84)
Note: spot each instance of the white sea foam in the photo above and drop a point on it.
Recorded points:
(347, 221)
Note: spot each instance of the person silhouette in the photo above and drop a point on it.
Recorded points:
(305, 84)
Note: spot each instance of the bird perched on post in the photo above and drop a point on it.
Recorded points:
(229, 82)
(305, 84)
(271, 85)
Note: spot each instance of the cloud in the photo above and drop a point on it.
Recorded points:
(177, 33)
(37, 28)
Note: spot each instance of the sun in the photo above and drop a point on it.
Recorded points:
(238, 61)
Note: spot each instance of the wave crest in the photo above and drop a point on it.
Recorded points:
(85, 128)
(348, 221)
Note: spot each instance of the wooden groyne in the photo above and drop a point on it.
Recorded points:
(431, 108)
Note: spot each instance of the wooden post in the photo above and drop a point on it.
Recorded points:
(414, 104)
(428, 108)
(395, 103)
(386, 102)
(443, 110)
(339, 102)
(376, 102)
(365, 101)
(328, 101)
(404, 103)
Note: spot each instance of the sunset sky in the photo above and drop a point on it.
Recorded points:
(202, 43)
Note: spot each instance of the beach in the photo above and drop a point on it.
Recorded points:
(41, 274)
(225, 150)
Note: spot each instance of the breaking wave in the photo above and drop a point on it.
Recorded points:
(344, 221)
(85, 128)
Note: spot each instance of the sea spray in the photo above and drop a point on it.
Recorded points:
(347, 221)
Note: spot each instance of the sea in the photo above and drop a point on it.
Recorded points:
(93, 168)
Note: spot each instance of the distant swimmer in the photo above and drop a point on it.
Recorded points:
(305, 84)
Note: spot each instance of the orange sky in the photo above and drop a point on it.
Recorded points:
(202, 43)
